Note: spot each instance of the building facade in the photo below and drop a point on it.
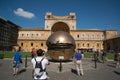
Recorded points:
(89, 39)
(112, 44)
(8, 34)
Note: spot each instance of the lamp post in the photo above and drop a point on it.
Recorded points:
(26, 61)
(60, 67)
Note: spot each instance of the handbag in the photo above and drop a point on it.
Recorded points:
(21, 60)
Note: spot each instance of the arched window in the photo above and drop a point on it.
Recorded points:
(47, 26)
(36, 34)
(83, 44)
(102, 36)
(41, 44)
(92, 36)
(21, 44)
(87, 36)
(27, 35)
(78, 44)
(97, 36)
(31, 44)
(48, 16)
(22, 35)
(32, 35)
(73, 27)
(83, 36)
(78, 36)
(88, 45)
(98, 45)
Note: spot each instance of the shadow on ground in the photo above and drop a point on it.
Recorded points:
(21, 71)
(73, 71)
(118, 73)
(57, 61)
(111, 65)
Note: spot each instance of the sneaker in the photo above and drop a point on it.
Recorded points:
(14, 74)
(81, 74)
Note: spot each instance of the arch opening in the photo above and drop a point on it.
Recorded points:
(60, 26)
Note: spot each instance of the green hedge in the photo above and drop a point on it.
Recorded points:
(10, 54)
(1, 56)
(90, 55)
(28, 54)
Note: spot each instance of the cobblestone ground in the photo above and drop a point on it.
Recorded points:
(106, 71)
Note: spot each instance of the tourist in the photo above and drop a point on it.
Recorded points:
(44, 63)
(16, 61)
(104, 56)
(78, 62)
(33, 53)
(96, 56)
(118, 60)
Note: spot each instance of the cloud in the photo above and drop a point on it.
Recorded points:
(25, 14)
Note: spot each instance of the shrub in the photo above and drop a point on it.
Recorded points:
(2, 56)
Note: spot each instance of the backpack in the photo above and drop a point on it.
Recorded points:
(38, 71)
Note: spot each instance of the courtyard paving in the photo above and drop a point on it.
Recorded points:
(106, 71)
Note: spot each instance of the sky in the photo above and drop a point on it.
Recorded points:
(99, 14)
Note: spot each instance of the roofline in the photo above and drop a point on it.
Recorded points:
(8, 21)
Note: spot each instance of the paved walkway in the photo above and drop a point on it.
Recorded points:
(106, 71)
